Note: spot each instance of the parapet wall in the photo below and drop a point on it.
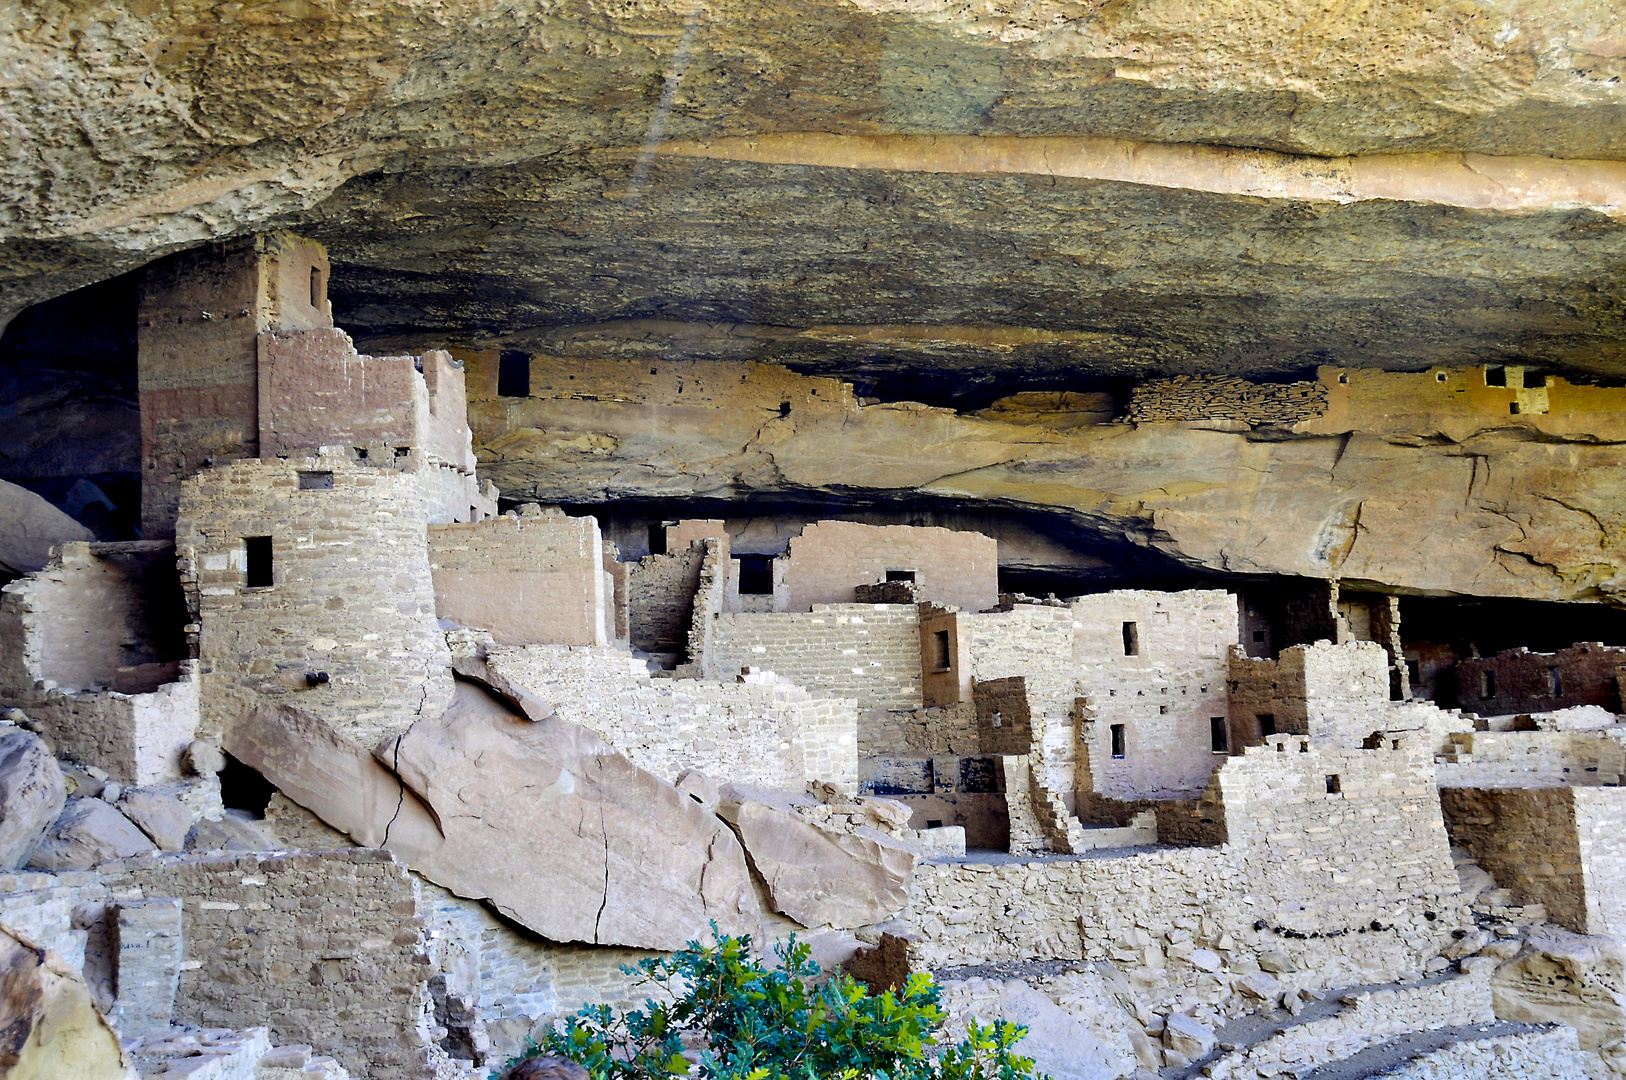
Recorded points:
(535, 579)
(1531, 759)
(762, 731)
(870, 652)
(351, 595)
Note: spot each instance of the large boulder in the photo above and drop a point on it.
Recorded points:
(1564, 978)
(566, 836)
(50, 1028)
(32, 793)
(29, 528)
(87, 833)
(817, 875)
(164, 818)
(1060, 1045)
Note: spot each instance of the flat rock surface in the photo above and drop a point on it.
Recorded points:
(29, 527)
(88, 832)
(53, 1029)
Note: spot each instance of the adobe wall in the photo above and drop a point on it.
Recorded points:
(1529, 841)
(829, 558)
(198, 317)
(761, 731)
(1531, 759)
(529, 579)
(352, 595)
(98, 616)
(660, 599)
(326, 949)
(1225, 397)
(1523, 680)
(870, 652)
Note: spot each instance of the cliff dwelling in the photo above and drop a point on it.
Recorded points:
(1100, 521)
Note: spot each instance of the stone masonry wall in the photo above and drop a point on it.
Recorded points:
(326, 949)
(136, 738)
(1225, 397)
(1165, 693)
(1531, 759)
(710, 599)
(823, 565)
(660, 599)
(1527, 839)
(1524, 681)
(944, 684)
(352, 595)
(870, 652)
(198, 319)
(762, 731)
(1598, 814)
(533, 579)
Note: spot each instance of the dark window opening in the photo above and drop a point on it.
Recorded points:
(657, 538)
(942, 654)
(1343, 379)
(259, 561)
(361, 453)
(1267, 724)
(1513, 408)
(243, 788)
(1555, 683)
(1131, 639)
(316, 288)
(1162, 710)
(1259, 635)
(1414, 672)
(900, 575)
(934, 823)
(1219, 737)
(756, 575)
(514, 374)
(1487, 684)
(315, 481)
(1495, 375)
(1117, 740)
(1439, 376)
(1334, 786)
(784, 408)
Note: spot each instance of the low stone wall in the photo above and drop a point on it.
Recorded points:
(137, 738)
(1225, 397)
(870, 652)
(1519, 681)
(762, 731)
(660, 599)
(326, 949)
(1530, 759)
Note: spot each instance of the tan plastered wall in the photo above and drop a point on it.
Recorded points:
(352, 596)
(530, 580)
(1528, 840)
(951, 684)
(830, 558)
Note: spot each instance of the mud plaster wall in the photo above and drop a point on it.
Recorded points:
(1524, 680)
(870, 652)
(198, 317)
(823, 565)
(326, 949)
(950, 683)
(352, 596)
(535, 579)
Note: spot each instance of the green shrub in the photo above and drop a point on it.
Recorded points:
(751, 1022)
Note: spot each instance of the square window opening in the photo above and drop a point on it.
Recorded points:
(756, 575)
(942, 655)
(514, 374)
(1162, 710)
(934, 823)
(315, 481)
(900, 575)
(657, 538)
(1513, 408)
(258, 562)
(1219, 736)
(1117, 740)
(1334, 785)
(1131, 639)
(1267, 724)
(1495, 375)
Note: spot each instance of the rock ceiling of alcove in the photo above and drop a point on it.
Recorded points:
(472, 167)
